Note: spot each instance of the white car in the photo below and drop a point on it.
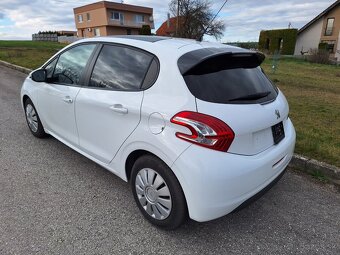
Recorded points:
(196, 128)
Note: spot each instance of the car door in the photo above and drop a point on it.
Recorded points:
(108, 109)
(56, 97)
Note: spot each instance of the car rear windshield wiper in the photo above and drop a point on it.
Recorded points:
(251, 96)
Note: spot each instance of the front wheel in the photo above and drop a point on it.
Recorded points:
(33, 120)
(158, 193)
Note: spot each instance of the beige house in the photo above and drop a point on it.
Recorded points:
(324, 28)
(108, 18)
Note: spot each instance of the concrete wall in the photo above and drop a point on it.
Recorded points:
(310, 38)
(68, 39)
(45, 37)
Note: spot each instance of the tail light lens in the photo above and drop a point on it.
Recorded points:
(206, 131)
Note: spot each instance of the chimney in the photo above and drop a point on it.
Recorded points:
(168, 21)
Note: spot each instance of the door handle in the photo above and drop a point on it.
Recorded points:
(68, 100)
(119, 109)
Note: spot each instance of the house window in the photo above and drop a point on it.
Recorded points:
(330, 46)
(117, 16)
(88, 17)
(139, 18)
(329, 27)
(80, 18)
(96, 32)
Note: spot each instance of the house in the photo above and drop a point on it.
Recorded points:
(324, 28)
(109, 18)
(168, 28)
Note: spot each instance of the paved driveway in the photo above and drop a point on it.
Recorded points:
(55, 201)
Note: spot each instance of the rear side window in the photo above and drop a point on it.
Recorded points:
(120, 68)
(230, 79)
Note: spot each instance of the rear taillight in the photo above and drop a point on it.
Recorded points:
(206, 131)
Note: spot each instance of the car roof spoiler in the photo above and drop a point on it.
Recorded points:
(215, 59)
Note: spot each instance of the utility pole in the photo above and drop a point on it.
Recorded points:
(177, 22)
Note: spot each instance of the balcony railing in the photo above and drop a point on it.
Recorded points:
(128, 23)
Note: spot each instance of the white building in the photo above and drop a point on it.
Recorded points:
(324, 28)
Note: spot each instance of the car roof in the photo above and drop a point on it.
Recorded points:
(145, 41)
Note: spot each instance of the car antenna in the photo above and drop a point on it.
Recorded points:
(205, 30)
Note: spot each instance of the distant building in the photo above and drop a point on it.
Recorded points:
(168, 28)
(67, 33)
(108, 18)
(280, 41)
(324, 28)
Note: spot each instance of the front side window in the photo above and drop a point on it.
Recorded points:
(80, 18)
(50, 68)
(329, 27)
(120, 68)
(71, 64)
(88, 16)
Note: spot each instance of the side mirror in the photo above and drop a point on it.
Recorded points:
(39, 75)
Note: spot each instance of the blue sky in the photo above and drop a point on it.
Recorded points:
(244, 19)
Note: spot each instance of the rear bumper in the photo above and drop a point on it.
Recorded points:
(215, 183)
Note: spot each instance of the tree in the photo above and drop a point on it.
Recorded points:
(145, 30)
(195, 18)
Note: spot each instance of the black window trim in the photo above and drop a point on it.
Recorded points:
(93, 61)
(83, 74)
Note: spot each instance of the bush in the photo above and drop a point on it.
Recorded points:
(145, 30)
(320, 56)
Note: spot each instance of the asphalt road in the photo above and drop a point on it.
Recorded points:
(55, 201)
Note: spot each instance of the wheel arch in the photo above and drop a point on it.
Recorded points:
(24, 98)
(131, 159)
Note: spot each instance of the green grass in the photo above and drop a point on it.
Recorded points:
(319, 176)
(312, 90)
(28, 53)
(313, 93)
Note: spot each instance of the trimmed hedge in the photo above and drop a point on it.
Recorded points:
(270, 41)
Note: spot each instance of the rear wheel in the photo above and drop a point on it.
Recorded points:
(158, 193)
(33, 120)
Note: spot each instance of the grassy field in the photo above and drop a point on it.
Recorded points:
(313, 92)
(28, 53)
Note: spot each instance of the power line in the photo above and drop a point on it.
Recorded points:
(205, 30)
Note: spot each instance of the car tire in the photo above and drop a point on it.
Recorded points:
(157, 192)
(33, 120)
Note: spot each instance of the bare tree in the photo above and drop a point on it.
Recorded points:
(195, 18)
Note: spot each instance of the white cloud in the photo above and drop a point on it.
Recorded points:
(243, 18)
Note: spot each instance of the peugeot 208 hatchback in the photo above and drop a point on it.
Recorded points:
(196, 128)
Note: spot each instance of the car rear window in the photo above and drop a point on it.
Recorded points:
(230, 79)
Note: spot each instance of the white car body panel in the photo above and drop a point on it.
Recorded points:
(90, 126)
(249, 139)
(105, 119)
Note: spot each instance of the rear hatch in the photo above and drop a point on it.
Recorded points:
(230, 85)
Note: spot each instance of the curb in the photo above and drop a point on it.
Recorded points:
(298, 162)
(312, 166)
(15, 67)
